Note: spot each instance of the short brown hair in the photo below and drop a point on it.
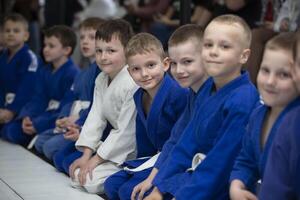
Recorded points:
(282, 41)
(91, 23)
(296, 44)
(230, 19)
(185, 33)
(143, 43)
(15, 17)
(64, 34)
(116, 27)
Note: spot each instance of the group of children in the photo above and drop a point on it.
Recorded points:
(127, 128)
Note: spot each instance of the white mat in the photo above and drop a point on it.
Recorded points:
(25, 176)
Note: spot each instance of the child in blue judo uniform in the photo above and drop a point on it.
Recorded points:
(281, 179)
(279, 95)
(18, 68)
(159, 103)
(187, 68)
(74, 113)
(200, 163)
(53, 82)
(112, 103)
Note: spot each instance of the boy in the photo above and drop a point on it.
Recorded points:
(113, 103)
(279, 94)
(81, 94)
(281, 177)
(199, 165)
(54, 80)
(18, 67)
(159, 103)
(187, 68)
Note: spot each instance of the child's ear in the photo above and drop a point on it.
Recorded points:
(245, 55)
(26, 36)
(166, 63)
(67, 51)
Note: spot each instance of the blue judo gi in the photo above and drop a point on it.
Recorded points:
(216, 131)
(46, 103)
(250, 165)
(152, 131)
(48, 142)
(281, 179)
(17, 78)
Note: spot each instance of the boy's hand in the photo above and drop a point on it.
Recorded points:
(238, 191)
(27, 126)
(6, 116)
(72, 133)
(155, 195)
(88, 169)
(65, 122)
(141, 189)
(78, 163)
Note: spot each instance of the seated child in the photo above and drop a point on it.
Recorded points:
(200, 163)
(113, 103)
(81, 94)
(159, 103)
(279, 95)
(54, 80)
(18, 67)
(281, 177)
(187, 68)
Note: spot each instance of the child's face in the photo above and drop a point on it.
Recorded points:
(147, 70)
(274, 80)
(15, 34)
(110, 56)
(87, 42)
(296, 68)
(223, 51)
(186, 64)
(53, 50)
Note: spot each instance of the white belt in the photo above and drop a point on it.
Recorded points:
(198, 158)
(78, 106)
(9, 98)
(53, 105)
(146, 165)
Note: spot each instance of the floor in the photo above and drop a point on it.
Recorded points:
(23, 175)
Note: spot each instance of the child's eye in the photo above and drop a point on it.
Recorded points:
(264, 70)
(173, 64)
(284, 75)
(134, 69)
(187, 62)
(207, 45)
(110, 50)
(98, 51)
(224, 46)
(151, 65)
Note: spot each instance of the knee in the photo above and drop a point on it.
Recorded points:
(125, 192)
(38, 145)
(111, 189)
(58, 159)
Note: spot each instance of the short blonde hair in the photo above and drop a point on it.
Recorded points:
(143, 43)
(185, 33)
(230, 19)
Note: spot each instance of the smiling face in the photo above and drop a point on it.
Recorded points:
(15, 34)
(110, 56)
(87, 42)
(186, 64)
(274, 80)
(147, 70)
(224, 51)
